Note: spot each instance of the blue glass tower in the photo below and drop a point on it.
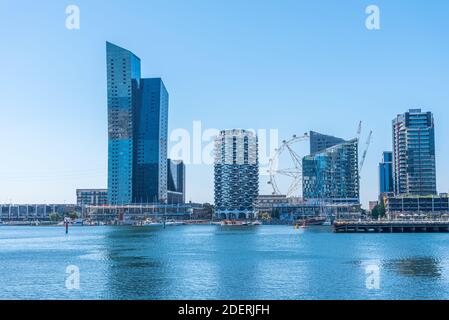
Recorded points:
(150, 173)
(332, 174)
(386, 173)
(137, 131)
(123, 76)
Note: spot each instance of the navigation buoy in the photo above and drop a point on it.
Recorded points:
(66, 223)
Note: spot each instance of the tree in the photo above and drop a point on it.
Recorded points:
(265, 216)
(209, 210)
(378, 211)
(73, 215)
(54, 217)
(208, 206)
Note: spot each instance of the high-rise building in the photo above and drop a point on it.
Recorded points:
(176, 181)
(236, 171)
(320, 142)
(332, 174)
(150, 173)
(137, 127)
(123, 82)
(386, 173)
(91, 197)
(414, 153)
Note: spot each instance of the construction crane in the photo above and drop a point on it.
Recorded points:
(368, 142)
(359, 130)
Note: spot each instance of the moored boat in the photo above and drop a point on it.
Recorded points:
(311, 221)
(239, 223)
(174, 223)
(152, 223)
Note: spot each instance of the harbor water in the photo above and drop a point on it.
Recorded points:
(212, 262)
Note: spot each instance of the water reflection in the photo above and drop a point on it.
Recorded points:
(135, 265)
(415, 267)
(209, 262)
(236, 262)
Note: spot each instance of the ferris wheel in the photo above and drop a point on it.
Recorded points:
(290, 172)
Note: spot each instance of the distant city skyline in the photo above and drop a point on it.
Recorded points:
(256, 65)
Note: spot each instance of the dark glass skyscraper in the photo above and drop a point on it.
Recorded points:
(386, 173)
(137, 127)
(414, 153)
(150, 179)
(176, 184)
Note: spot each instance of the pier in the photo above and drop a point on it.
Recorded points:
(391, 226)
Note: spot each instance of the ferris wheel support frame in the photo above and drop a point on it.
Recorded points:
(295, 172)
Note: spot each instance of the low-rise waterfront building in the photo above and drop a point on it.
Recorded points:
(265, 202)
(411, 205)
(290, 209)
(136, 212)
(91, 197)
(269, 204)
(36, 212)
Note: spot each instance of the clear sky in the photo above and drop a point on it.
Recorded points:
(288, 65)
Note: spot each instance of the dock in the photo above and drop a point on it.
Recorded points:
(391, 226)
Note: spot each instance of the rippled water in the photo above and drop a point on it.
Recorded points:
(207, 262)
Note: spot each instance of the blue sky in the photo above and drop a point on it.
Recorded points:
(288, 65)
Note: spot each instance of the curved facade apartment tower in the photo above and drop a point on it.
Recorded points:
(123, 73)
(236, 171)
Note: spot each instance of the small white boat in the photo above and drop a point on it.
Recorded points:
(173, 223)
(151, 223)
